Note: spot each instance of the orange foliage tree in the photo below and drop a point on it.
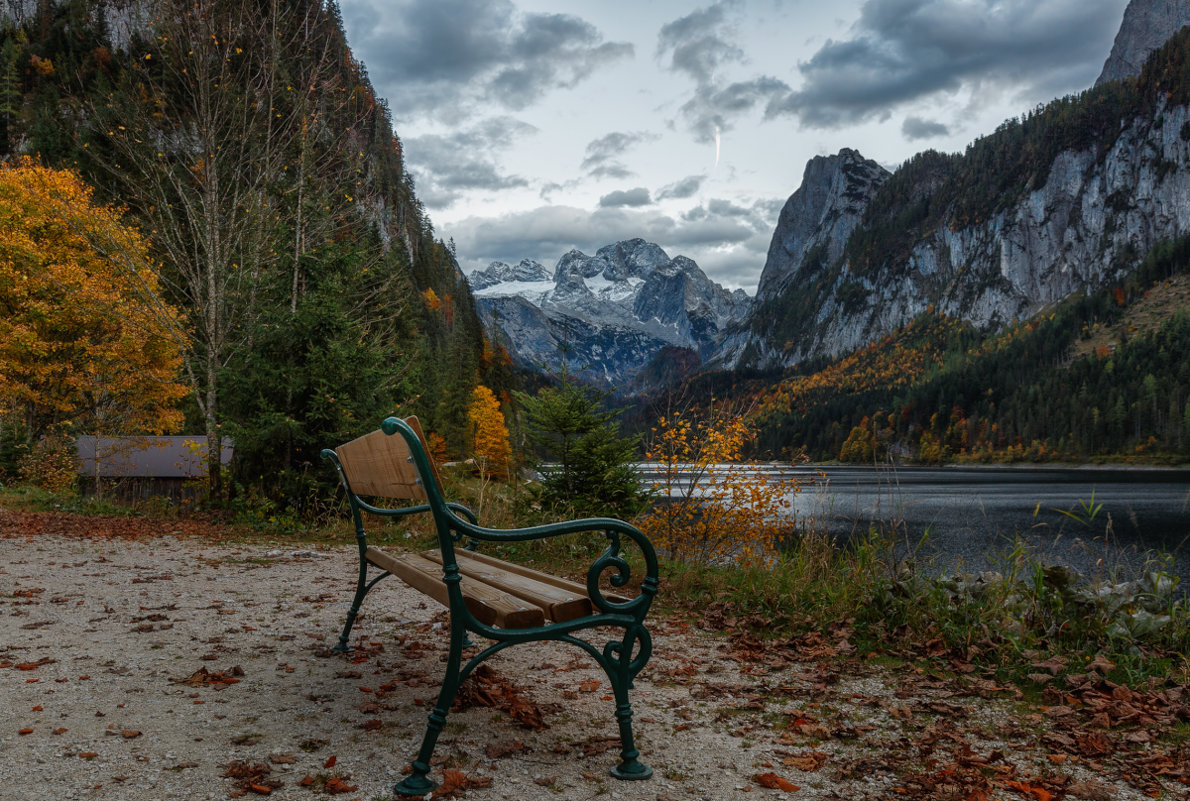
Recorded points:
(712, 506)
(489, 433)
(84, 344)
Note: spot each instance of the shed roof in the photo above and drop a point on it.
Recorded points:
(148, 457)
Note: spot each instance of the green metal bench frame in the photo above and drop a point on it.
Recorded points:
(622, 659)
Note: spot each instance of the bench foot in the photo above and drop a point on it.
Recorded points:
(416, 784)
(631, 770)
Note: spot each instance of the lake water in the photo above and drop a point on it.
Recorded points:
(970, 517)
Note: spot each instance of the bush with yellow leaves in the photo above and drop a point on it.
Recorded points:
(713, 506)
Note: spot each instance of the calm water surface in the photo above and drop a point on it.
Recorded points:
(971, 517)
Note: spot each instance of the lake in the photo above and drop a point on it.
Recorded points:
(970, 517)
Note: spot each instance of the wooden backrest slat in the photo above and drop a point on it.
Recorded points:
(381, 465)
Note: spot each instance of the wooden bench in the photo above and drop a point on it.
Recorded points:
(497, 600)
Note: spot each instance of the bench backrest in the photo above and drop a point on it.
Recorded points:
(383, 466)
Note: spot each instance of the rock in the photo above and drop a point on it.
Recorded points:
(1147, 25)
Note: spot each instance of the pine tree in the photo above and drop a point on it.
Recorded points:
(587, 462)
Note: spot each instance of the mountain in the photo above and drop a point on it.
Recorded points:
(1147, 25)
(1062, 200)
(605, 316)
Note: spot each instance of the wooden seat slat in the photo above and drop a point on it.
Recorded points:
(537, 575)
(490, 605)
(559, 604)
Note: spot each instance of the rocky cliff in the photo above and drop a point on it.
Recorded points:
(1063, 199)
(1147, 25)
(834, 193)
(607, 315)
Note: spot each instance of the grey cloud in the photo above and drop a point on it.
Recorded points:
(601, 159)
(444, 56)
(613, 170)
(903, 50)
(626, 197)
(446, 166)
(915, 128)
(699, 45)
(687, 187)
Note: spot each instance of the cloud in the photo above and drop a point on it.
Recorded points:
(448, 166)
(631, 197)
(601, 159)
(687, 187)
(442, 57)
(701, 45)
(901, 51)
(728, 239)
(915, 128)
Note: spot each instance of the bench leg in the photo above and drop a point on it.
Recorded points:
(620, 670)
(361, 589)
(418, 782)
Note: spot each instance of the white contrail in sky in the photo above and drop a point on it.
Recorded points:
(716, 145)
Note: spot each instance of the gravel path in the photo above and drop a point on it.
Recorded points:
(177, 668)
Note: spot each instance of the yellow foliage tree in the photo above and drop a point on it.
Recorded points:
(84, 342)
(860, 445)
(489, 433)
(713, 506)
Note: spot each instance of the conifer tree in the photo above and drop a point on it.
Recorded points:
(587, 463)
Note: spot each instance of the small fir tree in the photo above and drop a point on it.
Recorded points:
(588, 462)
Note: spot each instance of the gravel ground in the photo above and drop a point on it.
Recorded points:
(152, 669)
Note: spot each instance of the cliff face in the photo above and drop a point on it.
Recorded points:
(822, 213)
(1147, 25)
(987, 236)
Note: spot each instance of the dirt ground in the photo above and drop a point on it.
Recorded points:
(143, 660)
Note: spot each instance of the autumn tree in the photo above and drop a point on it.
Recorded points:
(85, 343)
(713, 505)
(489, 433)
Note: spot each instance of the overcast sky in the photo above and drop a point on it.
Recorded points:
(534, 127)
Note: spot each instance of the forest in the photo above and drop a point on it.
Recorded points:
(262, 217)
(1081, 381)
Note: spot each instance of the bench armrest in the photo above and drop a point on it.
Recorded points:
(611, 558)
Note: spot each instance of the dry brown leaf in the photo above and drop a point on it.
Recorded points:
(774, 782)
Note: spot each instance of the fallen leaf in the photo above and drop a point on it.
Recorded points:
(1039, 793)
(336, 785)
(774, 782)
(806, 762)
